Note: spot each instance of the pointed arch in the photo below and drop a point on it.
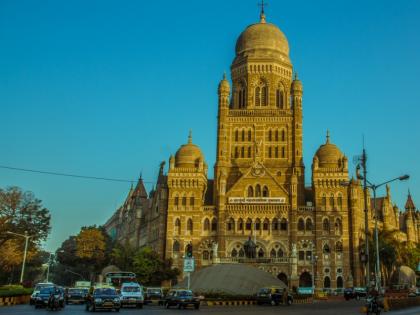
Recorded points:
(206, 225)
(231, 224)
(338, 226)
(250, 191)
(258, 190)
(283, 224)
(176, 247)
(177, 226)
(240, 224)
(258, 224)
(275, 224)
(273, 253)
(266, 224)
(301, 225)
(308, 225)
(214, 225)
(190, 226)
(326, 225)
(248, 225)
(265, 192)
(339, 247)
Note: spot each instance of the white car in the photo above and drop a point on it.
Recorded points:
(132, 295)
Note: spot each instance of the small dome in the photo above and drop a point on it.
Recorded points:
(262, 36)
(188, 155)
(224, 86)
(328, 154)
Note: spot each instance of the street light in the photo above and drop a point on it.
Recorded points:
(75, 273)
(374, 187)
(27, 237)
(48, 268)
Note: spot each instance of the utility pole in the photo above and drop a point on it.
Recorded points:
(365, 190)
(27, 237)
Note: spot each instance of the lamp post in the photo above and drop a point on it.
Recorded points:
(27, 237)
(48, 267)
(374, 187)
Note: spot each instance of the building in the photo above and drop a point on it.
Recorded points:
(257, 209)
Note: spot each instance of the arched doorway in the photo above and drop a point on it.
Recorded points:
(283, 277)
(305, 280)
(327, 282)
(340, 282)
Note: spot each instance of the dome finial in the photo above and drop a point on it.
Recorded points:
(328, 136)
(262, 14)
(190, 137)
(296, 75)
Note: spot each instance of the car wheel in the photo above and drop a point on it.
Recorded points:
(140, 305)
(117, 309)
(357, 297)
(167, 305)
(197, 306)
(179, 306)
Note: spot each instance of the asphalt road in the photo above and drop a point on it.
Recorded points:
(319, 308)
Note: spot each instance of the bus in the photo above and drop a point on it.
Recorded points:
(117, 278)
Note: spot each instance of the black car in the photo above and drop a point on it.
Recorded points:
(153, 295)
(103, 299)
(42, 298)
(273, 296)
(181, 298)
(354, 293)
(75, 296)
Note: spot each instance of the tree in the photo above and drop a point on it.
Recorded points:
(90, 245)
(123, 256)
(19, 212)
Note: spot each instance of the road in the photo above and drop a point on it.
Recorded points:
(319, 308)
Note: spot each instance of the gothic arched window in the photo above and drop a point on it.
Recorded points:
(276, 135)
(240, 225)
(270, 135)
(326, 249)
(261, 253)
(340, 202)
(275, 224)
(258, 191)
(326, 225)
(250, 191)
(301, 225)
(184, 201)
(264, 96)
(177, 229)
(234, 253)
(283, 135)
(265, 192)
(283, 224)
(248, 225)
(236, 135)
(206, 225)
(190, 226)
(338, 227)
(324, 201)
(339, 247)
(332, 201)
(214, 225)
(266, 224)
(176, 247)
(277, 152)
(249, 152)
(257, 224)
(273, 253)
(283, 152)
(249, 135)
(231, 225)
(257, 96)
(243, 135)
(308, 224)
(279, 98)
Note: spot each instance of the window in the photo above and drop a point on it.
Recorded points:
(324, 201)
(277, 153)
(234, 253)
(250, 191)
(309, 255)
(258, 191)
(242, 152)
(231, 225)
(277, 135)
(338, 227)
(339, 247)
(261, 95)
(269, 152)
(206, 255)
(279, 98)
(249, 135)
(308, 224)
(326, 249)
(236, 152)
(258, 224)
(327, 282)
(326, 225)
(275, 224)
(283, 135)
(283, 225)
(191, 201)
(301, 255)
(332, 201)
(176, 247)
(176, 201)
(265, 191)
(283, 152)
(269, 135)
(340, 202)
(266, 225)
(257, 96)
(273, 253)
(236, 135)
(248, 225)
(261, 253)
(280, 253)
(184, 201)
(243, 135)
(264, 96)
(189, 226)
(301, 225)
(214, 225)
(177, 226)
(240, 225)
(206, 224)
(340, 282)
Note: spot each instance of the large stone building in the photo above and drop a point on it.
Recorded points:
(257, 209)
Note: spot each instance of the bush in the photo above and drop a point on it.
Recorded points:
(14, 290)
(220, 295)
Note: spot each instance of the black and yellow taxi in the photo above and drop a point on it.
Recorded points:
(103, 297)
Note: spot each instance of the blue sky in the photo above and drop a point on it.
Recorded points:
(111, 88)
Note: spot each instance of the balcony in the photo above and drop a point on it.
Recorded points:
(242, 260)
(262, 208)
(260, 112)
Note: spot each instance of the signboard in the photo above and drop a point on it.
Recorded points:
(259, 200)
(189, 264)
(304, 290)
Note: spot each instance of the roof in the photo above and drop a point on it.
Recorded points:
(409, 205)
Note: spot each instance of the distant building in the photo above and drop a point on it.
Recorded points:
(257, 209)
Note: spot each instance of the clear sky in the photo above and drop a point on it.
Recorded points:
(111, 88)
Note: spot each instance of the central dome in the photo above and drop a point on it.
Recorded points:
(329, 154)
(262, 37)
(188, 155)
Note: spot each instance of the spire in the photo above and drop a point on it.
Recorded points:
(224, 75)
(328, 137)
(409, 205)
(262, 14)
(296, 76)
(190, 137)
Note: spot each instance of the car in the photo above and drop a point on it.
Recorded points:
(132, 295)
(37, 289)
(103, 298)
(75, 296)
(181, 298)
(44, 294)
(273, 296)
(153, 295)
(354, 293)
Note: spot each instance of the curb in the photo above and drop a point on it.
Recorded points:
(247, 303)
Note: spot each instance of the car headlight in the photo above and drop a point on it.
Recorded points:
(98, 300)
(117, 300)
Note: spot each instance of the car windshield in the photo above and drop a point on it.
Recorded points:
(75, 291)
(46, 290)
(38, 287)
(130, 289)
(154, 291)
(265, 291)
(105, 291)
(185, 293)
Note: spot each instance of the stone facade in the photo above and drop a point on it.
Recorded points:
(258, 193)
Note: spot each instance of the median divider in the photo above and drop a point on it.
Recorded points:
(212, 303)
(14, 300)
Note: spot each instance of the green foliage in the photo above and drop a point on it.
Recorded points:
(14, 290)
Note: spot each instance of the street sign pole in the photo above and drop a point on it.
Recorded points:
(189, 279)
(189, 265)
